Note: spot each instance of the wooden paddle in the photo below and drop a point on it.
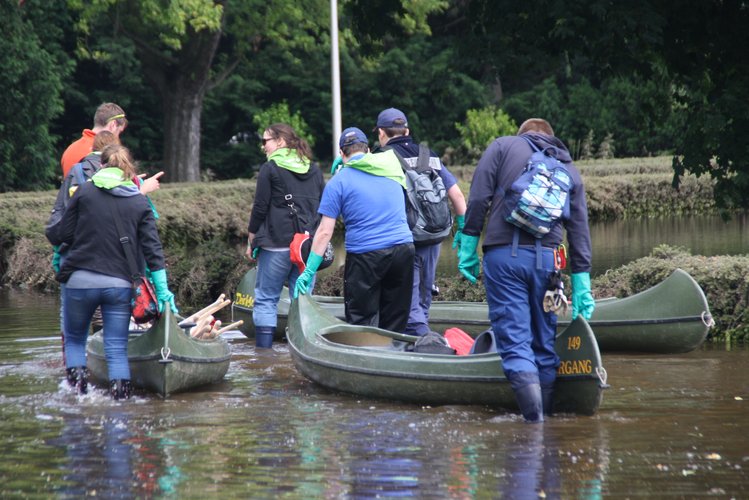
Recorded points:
(220, 302)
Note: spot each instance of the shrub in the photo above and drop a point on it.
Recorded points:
(279, 113)
(481, 127)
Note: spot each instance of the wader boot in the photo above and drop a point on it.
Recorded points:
(528, 395)
(78, 378)
(547, 397)
(120, 389)
(264, 336)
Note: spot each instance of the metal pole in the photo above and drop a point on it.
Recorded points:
(335, 75)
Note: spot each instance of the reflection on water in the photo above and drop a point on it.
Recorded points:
(675, 424)
(616, 243)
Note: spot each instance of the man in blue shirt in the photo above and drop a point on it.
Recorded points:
(393, 132)
(368, 193)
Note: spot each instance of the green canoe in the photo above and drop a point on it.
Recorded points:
(361, 360)
(164, 359)
(671, 317)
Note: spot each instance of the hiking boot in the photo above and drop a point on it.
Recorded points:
(77, 377)
(120, 389)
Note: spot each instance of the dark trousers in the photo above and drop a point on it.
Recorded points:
(377, 287)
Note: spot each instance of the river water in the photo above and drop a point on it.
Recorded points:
(669, 426)
(616, 243)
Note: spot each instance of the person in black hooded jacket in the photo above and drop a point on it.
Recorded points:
(518, 267)
(96, 271)
(288, 171)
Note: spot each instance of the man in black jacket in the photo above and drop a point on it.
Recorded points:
(393, 132)
(518, 267)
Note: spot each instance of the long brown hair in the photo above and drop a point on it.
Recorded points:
(116, 155)
(292, 140)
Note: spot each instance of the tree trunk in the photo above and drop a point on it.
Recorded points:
(182, 112)
(181, 83)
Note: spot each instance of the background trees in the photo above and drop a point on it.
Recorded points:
(635, 78)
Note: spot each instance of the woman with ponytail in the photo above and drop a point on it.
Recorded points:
(96, 271)
(288, 171)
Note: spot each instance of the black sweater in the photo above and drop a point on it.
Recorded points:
(271, 219)
(88, 227)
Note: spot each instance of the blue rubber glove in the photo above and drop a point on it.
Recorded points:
(162, 290)
(461, 220)
(582, 298)
(304, 281)
(468, 258)
(336, 165)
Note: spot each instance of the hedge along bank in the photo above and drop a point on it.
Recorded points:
(203, 228)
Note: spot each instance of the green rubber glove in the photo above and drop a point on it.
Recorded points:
(468, 258)
(56, 259)
(461, 220)
(255, 252)
(582, 298)
(162, 290)
(304, 281)
(336, 165)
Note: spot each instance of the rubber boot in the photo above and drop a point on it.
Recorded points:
(120, 389)
(264, 336)
(529, 400)
(547, 397)
(527, 390)
(78, 378)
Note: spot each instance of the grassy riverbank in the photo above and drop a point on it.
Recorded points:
(203, 229)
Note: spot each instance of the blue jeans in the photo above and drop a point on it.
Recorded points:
(515, 290)
(425, 267)
(80, 304)
(274, 270)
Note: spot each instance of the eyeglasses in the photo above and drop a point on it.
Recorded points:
(266, 139)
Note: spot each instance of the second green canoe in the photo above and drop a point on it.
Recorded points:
(671, 317)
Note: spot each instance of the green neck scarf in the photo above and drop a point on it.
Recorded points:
(384, 164)
(290, 160)
(111, 177)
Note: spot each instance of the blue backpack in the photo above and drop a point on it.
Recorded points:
(539, 198)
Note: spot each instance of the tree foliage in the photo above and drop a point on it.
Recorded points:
(31, 79)
(194, 75)
(481, 127)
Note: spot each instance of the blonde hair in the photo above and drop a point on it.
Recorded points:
(118, 156)
(536, 125)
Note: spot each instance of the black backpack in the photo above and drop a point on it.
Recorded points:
(427, 209)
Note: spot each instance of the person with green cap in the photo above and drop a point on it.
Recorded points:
(288, 177)
(518, 267)
(368, 192)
